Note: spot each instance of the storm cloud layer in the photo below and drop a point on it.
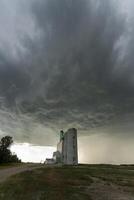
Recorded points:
(66, 64)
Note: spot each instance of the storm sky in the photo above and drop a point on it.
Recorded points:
(69, 63)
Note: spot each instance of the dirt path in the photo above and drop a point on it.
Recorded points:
(100, 190)
(5, 173)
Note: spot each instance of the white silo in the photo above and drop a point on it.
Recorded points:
(69, 147)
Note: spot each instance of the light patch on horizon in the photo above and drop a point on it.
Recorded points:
(31, 153)
(104, 149)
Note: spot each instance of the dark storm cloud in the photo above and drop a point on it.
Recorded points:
(67, 63)
(78, 40)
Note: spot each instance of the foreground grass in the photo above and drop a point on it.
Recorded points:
(119, 175)
(9, 165)
(46, 183)
(63, 183)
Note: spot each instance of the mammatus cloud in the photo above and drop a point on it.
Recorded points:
(66, 64)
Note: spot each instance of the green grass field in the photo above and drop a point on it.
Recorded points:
(9, 165)
(66, 183)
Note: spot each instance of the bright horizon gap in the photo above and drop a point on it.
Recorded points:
(31, 153)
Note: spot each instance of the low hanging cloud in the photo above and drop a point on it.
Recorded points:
(65, 64)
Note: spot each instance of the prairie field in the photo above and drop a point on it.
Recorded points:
(83, 182)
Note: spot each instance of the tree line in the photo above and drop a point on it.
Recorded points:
(6, 156)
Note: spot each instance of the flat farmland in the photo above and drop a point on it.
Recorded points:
(83, 182)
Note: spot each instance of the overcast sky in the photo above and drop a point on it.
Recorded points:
(68, 63)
